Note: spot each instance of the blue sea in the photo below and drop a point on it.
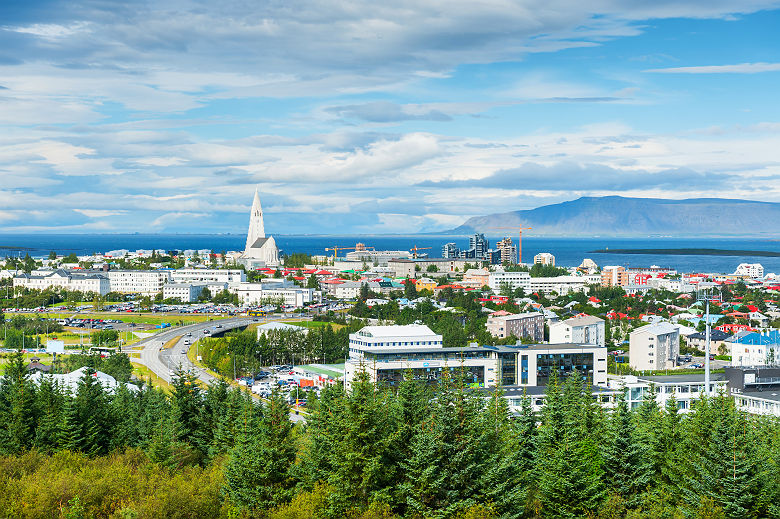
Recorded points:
(567, 251)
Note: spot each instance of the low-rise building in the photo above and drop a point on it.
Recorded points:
(584, 329)
(425, 284)
(755, 349)
(529, 325)
(203, 276)
(685, 388)
(756, 389)
(718, 338)
(514, 280)
(184, 292)
(87, 282)
(261, 293)
(751, 270)
(563, 285)
(655, 346)
(419, 267)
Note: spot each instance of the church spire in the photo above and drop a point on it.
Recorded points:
(256, 226)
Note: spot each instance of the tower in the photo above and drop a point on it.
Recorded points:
(256, 226)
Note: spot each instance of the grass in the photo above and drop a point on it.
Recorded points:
(191, 354)
(315, 324)
(142, 372)
(171, 343)
(138, 318)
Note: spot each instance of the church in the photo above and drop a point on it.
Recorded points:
(260, 251)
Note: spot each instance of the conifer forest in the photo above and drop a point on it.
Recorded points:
(409, 452)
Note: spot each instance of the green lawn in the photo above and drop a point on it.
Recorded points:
(314, 324)
(138, 318)
(142, 372)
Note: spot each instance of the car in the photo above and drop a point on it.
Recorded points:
(184, 352)
(218, 326)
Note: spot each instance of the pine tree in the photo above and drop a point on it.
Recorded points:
(50, 403)
(17, 403)
(71, 435)
(627, 463)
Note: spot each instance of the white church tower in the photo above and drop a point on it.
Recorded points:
(260, 251)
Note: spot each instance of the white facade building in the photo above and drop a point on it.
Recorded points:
(753, 270)
(184, 292)
(684, 388)
(544, 258)
(563, 285)
(208, 276)
(89, 282)
(260, 293)
(655, 346)
(580, 330)
(514, 280)
(145, 282)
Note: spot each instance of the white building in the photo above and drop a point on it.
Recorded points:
(655, 346)
(261, 293)
(184, 292)
(144, 282)
(260, 250)
(388, 353)
(88, 282)
(563, 285)
(515, 280)
(70, 381)
(202, 276)
(685, 388)
(752, 270)
(544, 258)
(586, 329)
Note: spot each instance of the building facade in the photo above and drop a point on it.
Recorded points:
(261, 293)
(655, 346)
(585, 329)
(514, 280)
(544, 258)
(208, 276)
(528, 325)
(91, 282)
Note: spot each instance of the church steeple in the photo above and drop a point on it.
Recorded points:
(256, 226)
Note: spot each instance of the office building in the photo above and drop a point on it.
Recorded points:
(685, 388)
(270, 293)
(514, 280)
(208, 276)
(563, 285)
(87, 282)
(184, 292)
(450, 251)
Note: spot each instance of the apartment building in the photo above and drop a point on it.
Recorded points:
(563, 284)
(208, 276)
(612, 276)
(529, 325)
(655, 346)
(184, 292)
(544, 258)
(514, 280)
(262, 293)
(144, 282)
(585, 329)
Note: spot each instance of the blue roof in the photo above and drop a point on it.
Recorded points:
(768, 339)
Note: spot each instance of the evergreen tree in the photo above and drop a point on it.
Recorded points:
(17, 405)
(50, 404)
(71, 435)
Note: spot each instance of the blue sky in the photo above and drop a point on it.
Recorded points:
(354, 117)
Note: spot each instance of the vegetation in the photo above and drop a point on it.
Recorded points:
(371, 452)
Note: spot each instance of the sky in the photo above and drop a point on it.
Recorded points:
(355, 117)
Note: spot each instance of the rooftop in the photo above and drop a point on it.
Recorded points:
(408, 330)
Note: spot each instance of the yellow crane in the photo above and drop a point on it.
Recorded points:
(336, 250)
(416, 248)
(519, 239)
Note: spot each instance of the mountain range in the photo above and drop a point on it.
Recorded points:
(622, 216)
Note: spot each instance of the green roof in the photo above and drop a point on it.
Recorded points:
(322, 371)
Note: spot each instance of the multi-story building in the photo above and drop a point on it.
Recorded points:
(476, 278)
(755, 390)
(479, 246)
(585, 329)
(377, 257)
(513, 280)
(655, 346)
(144, 282)
(507, 251)
(184, 292)
(563, 285)
(425, 284)
(261, 293)
(450, 251)
(208, 276)
(88, 282)
(529, 325)
(751, 270)
(387, 353)
(612, 276)
(418, 267)
(544, 258)
(718, 338)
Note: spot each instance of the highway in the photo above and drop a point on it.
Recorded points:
(165, 362)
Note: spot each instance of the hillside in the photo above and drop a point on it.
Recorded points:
(621, 216)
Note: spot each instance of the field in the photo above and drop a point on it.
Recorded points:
(142, 372)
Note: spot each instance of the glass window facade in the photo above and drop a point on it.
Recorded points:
(403, 356)
(472, 375)
(508, 368)
(524, 369)
(564, 364)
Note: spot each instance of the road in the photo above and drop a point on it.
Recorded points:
(164, 362)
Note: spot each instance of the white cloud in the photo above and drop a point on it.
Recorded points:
(99, 213)
(740, 68)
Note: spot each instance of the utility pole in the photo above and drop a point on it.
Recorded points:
(707, 292)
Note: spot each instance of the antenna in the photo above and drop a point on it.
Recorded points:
(708, 292)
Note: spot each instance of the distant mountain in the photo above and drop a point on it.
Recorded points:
(621, 216)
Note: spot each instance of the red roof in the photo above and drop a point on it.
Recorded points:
(594, 299)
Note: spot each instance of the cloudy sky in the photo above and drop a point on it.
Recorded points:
(374, 117)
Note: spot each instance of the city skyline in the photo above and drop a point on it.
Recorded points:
(164, 117)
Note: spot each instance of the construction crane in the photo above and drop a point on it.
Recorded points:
(519, 239)
(336, 250)
(416, 248)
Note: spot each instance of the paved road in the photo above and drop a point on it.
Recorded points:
(164, 362)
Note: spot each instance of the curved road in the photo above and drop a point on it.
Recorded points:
(163, 362)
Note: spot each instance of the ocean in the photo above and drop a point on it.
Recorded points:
(567, 251)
